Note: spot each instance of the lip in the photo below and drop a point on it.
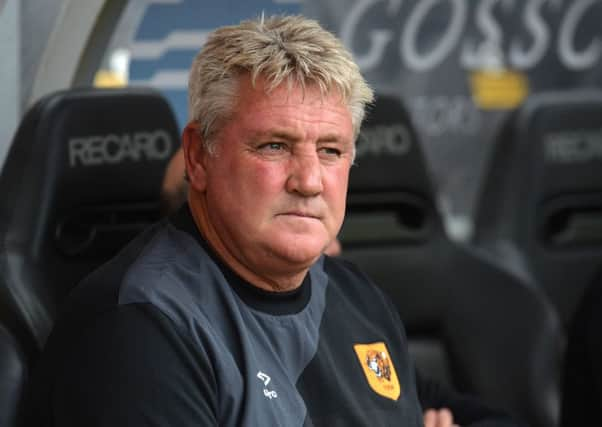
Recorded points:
(300, 214)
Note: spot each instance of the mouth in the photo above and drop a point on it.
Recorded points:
(300, 214)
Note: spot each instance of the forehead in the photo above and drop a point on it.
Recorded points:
(257, 104)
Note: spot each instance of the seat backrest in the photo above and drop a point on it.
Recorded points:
(13, 372)
(82, 177)
(391, 212)
(469, 323)
(582, 379)
(503, 337)
(542, 197)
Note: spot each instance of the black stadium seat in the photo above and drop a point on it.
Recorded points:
(540, 211)
(82, 177)
(12, 377)
(469, 323)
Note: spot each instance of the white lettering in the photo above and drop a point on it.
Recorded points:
(573, 147)
(394, 140)
(439, 115)
(77, 150)
(271, 394)
(112, 149)
(265, 379)
(423, 44)
(95, 152)
(525, 59)
(378, 38)
(566, 50)
(116, 149)
(488, 53)
(449, 38)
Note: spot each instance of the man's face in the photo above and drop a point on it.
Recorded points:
(276, 186)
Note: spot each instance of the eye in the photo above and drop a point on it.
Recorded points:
(330, 151)
(272, 147)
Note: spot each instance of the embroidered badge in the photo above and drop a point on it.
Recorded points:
(378, 368)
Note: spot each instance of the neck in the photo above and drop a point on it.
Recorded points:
(273, 281)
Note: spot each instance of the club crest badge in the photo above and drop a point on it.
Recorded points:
(378, 369)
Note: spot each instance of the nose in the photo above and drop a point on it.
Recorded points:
(305, 175)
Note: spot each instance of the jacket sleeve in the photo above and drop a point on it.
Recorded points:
(131, 367)
(467, 411)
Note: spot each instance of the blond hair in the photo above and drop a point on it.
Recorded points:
(281, 49)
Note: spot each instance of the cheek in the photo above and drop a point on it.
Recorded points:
(341, 175)
(266, 174)
(336, 185)
(254, 183)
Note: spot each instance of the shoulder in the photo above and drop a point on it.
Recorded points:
(129, 357)
(345, 277)
(339, 269)
(349, 286)
(156, 281)
(126, 331)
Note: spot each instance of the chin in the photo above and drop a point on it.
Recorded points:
(300, 254)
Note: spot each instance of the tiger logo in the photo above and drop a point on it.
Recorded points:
(378, 368)
(378, 362)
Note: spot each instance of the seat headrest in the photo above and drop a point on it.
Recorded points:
(546, 167)
(89, 148)
(563, 135)
(390, 198)
(543, 192)
(103, 145)
(82, 176)
(389, 157)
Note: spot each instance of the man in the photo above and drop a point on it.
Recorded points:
(227, 313)
(174, 193)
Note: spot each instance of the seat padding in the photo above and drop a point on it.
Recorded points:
(543, 193)
(82, 176)
(468, 321)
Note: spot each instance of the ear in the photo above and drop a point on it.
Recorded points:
(194, 157)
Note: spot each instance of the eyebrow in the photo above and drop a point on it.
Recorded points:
(292, 136)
